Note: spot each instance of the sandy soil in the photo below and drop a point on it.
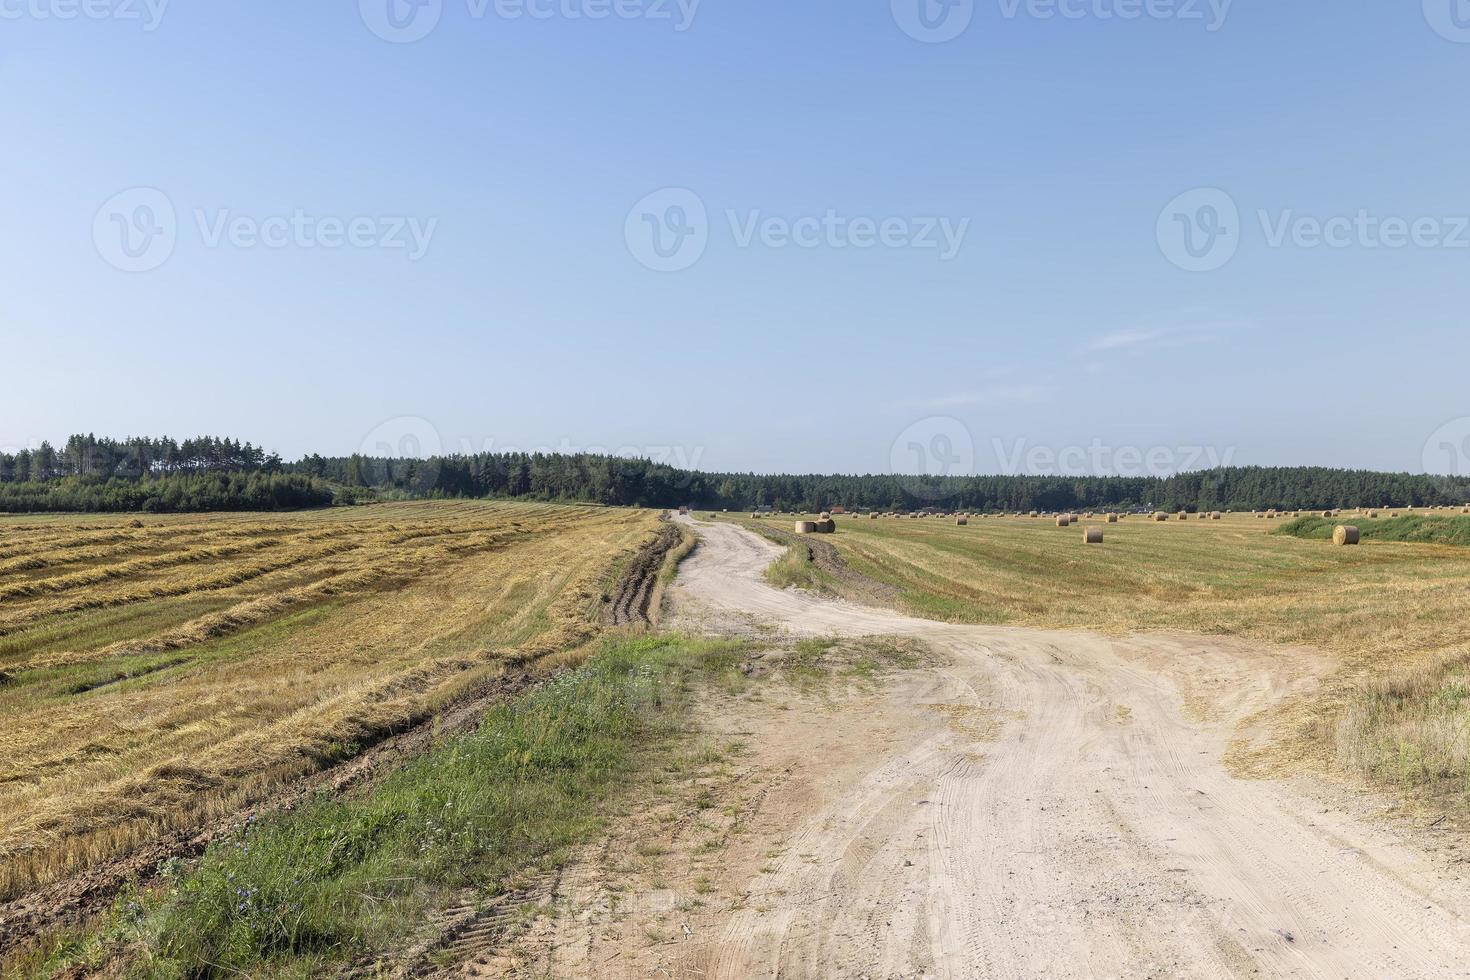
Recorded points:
(1039, 803)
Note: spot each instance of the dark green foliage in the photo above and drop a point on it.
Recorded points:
(177, 493)
(623, 481)
(614, 480)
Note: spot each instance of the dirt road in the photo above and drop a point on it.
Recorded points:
(1079, 823)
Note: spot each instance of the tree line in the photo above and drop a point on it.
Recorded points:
(625, 482)
(209, 473)
(86, 456)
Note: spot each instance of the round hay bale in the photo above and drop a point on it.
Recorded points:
(1215, 515)
(1184, 515)
(1032, 514)
(962, 521)
(872, 517)
(1064, 521)
(824, 516)
(828, 526)
(806, 527)
(1093, 535)
(1346, 534)
(1372, 513)
(1112, 518)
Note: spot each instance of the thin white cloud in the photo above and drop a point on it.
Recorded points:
(1013, 394)
(1192, 331)
(1124, 339)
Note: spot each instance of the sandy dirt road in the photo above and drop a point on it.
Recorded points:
(1081, 824)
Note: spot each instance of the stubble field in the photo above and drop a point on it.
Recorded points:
(158, 671)
(1390, 614)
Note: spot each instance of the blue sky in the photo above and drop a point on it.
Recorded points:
(522, 311)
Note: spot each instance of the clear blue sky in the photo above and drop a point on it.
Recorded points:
(524, 144)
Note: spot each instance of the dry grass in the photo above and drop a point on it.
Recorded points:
(153, 675)
(1381, 608)
(1411, 728)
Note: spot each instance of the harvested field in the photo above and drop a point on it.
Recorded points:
(159, 671)
(1383, 606)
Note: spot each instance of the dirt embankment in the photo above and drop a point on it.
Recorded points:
(631, 602)
(850, 584)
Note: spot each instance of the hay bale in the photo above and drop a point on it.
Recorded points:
(806, 527)
(1064, 521)
(962, 521)
(1215, 515)
(1346, 534)
(1112, 518)
(828, 526)
(1160, 517)
(1033, 514)
(824, 516)
(1372, 513)
(1184, 515)
(1093, 535)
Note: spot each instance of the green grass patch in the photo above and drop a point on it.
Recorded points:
(345, 879)
(1409, 530)
(796, 569)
